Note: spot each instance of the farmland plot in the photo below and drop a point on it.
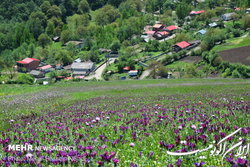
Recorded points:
(133, 125)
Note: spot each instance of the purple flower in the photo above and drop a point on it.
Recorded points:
(115, 160)
(132, 165)
(170, 165)
(241, 162)
(199, 164)
(132, 144)
(178, 162)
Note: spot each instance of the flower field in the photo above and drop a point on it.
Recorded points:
(132, 125)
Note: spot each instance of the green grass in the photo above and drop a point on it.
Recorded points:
(178, 65)
(233, 43)
(78, 91)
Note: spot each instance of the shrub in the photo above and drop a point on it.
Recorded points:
(24, 79)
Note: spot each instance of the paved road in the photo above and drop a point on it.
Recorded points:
(100, 70)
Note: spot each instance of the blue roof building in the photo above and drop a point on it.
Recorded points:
(202, 32)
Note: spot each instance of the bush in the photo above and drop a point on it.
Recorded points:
(236, 74)
(24, 79)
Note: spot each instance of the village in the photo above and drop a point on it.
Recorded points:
(86, 70)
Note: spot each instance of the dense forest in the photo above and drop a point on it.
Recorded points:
(27, 27)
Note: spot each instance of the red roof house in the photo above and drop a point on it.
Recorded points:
(126, 69)
(171, 28)
(46, 68)
(150, 32)
(193, 13)
(158, 27)
(181, 45)
(28, 63)
(161, 35)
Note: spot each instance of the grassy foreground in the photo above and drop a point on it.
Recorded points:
(124, 123)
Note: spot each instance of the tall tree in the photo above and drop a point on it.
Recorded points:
(44, 40)
(83, 7)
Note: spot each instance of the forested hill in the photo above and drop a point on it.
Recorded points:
(20, 10)
(28, 28)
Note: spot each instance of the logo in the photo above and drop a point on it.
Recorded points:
(220, 149)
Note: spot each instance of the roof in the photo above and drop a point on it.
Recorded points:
(213, 24)
(237, 9)
(133, 72)
(27, 60)
(150, 32)
(202, 32)
(182, 44)
(74, 43)
(157, 25)
(79, 72)
(45, 67)
(197, 12)
(126, 68)
(163, 33)
(82, 65)
(227, 14)
(80, 77)
(35, 72)
(171, 28)
(78, 60)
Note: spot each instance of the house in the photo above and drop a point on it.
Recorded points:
(112, 54)
(180, 46)
(194, 13)
(158, 27)
(36, 73)
(83, 68)
(56, 39)
(126, 69)
(28, 63)
(202, 32)
(47, 68)
(213, 25)
(58, 67)
(77, 44)
(161, 35)
(103, 50)
(227, 16)
(170, 28)
(149, 32)
(133, 73)
(78, 60)
(248, 10)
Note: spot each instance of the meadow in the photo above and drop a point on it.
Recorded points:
(125, 123)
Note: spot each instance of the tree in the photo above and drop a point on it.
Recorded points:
(24, 79)
(153, 66)
(236, 74)
(66, 36)
(40, 16)
(107, 14)
(44, 40)
(50, 29)
(115, 46)
(45, 6)
(64, 57)
(83, 7)
(182, 10)
(246, 22)
(54, 11)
